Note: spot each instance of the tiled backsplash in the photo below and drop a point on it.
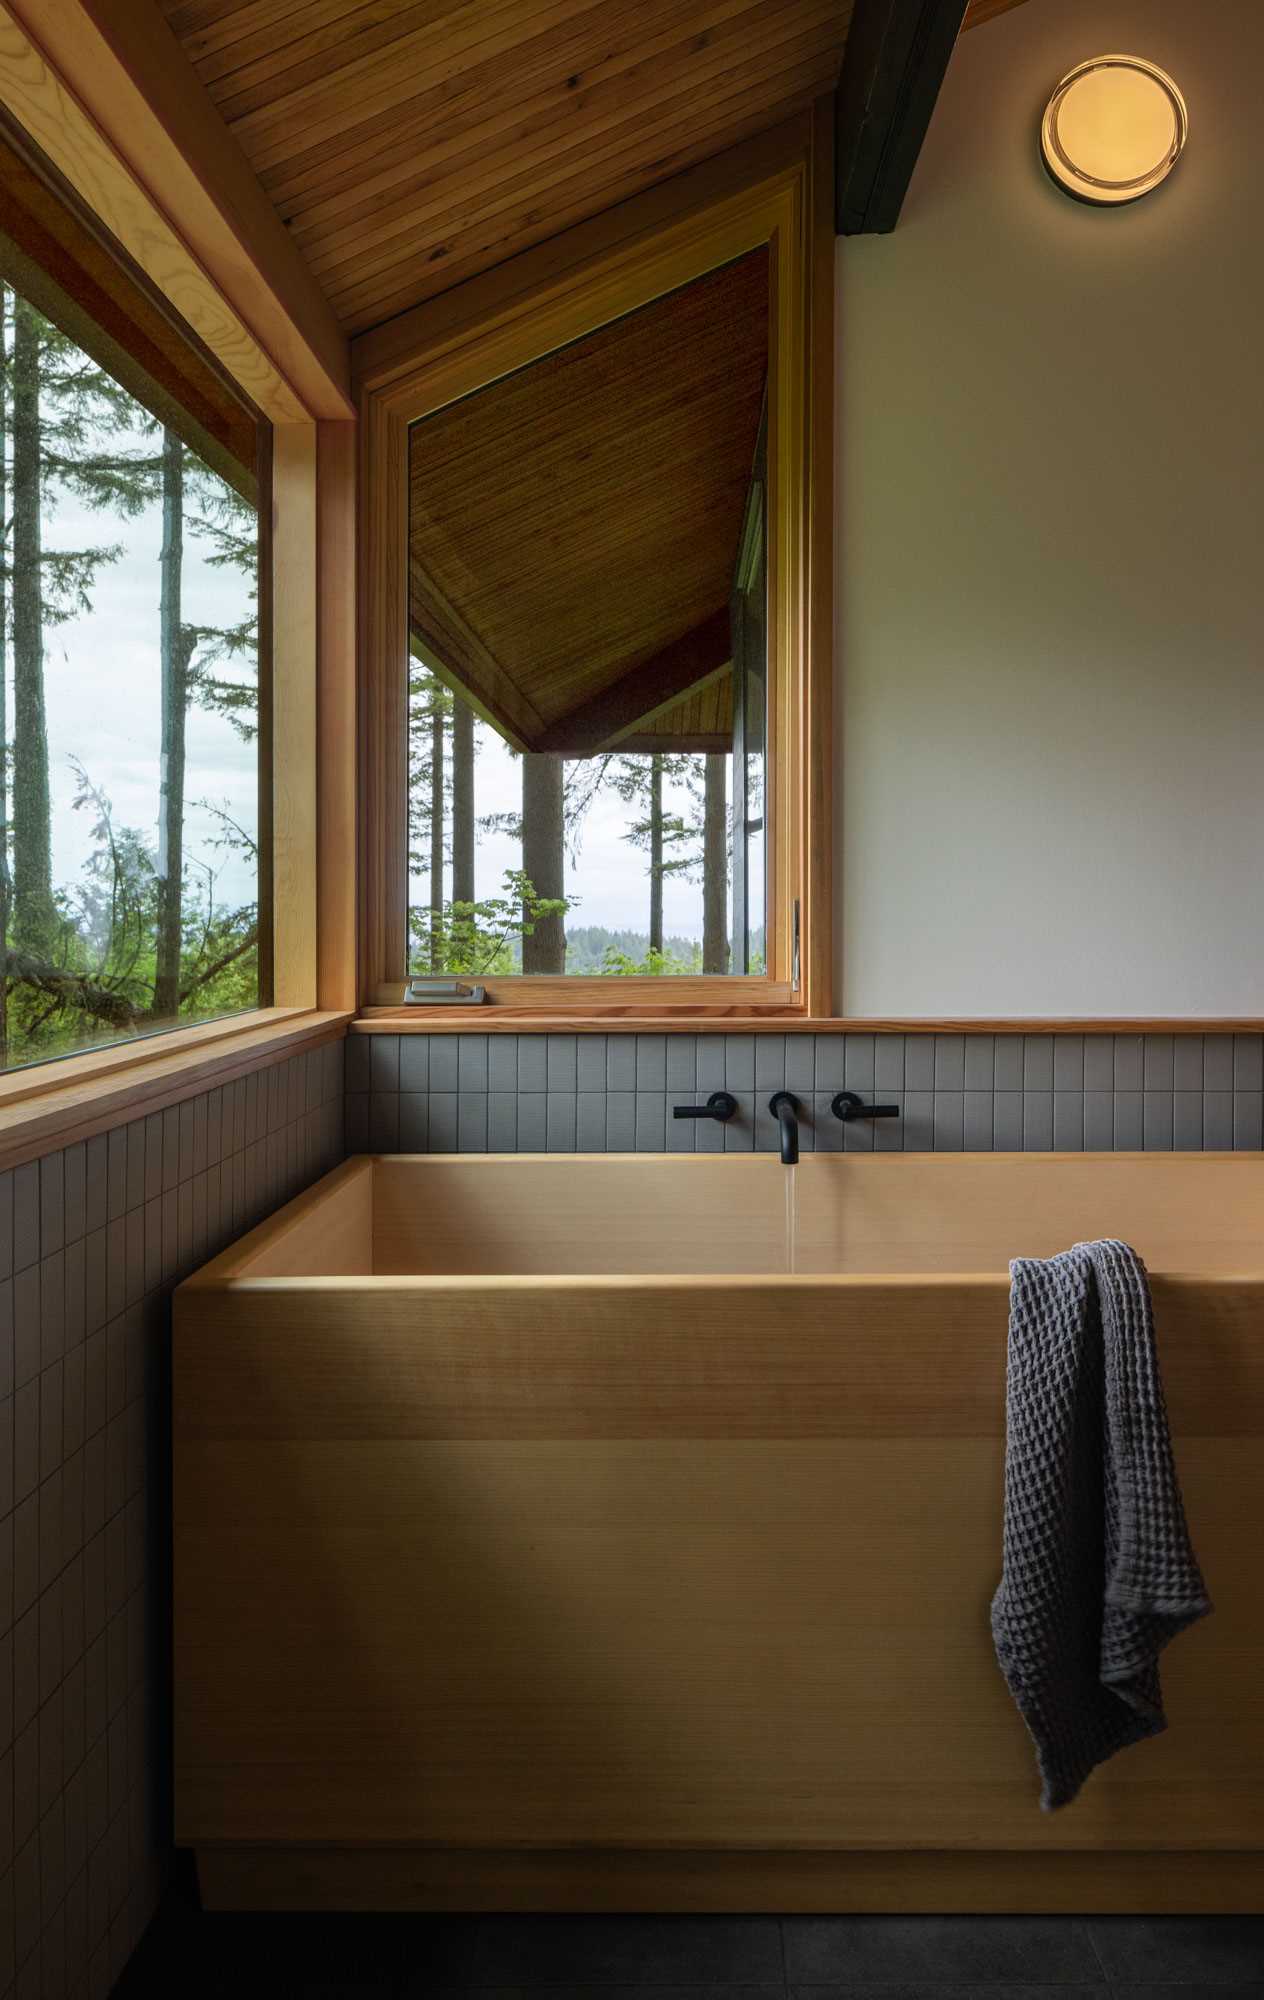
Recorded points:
(92, 1241)
(977, 1093)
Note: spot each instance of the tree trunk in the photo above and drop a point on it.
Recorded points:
(174, 651)
(715, 865)
(4, 685)
(436, 831)
(656, 854)
(462, 801)
(543, 860)
(32, 832)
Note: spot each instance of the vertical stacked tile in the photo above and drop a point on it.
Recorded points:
(615, 1092)
(93, 1239)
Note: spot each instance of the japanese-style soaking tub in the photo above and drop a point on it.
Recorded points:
(618, 1532)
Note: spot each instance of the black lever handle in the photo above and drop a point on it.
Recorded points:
(846, 1105)
(721, 1104)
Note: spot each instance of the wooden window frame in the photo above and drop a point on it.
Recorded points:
(775, 190)
(86, 83)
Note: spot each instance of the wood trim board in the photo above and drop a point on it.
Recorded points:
(41, 101)
(980, 11)
(584, 1882)
(336, 775)
(128, 71)
(295, 816)
(690, 1020)
(72, 1099)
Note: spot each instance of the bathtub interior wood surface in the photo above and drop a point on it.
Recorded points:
(603, 1215)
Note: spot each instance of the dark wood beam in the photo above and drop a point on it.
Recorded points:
(631, 701)
(896, 56)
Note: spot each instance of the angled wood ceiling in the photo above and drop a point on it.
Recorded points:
(408, 144)
(574, 527)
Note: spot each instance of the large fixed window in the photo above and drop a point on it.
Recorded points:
(597, 543)
(130, 696)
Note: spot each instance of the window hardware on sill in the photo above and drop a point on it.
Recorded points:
(441, 992)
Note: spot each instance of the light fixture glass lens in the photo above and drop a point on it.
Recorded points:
(1114, 128)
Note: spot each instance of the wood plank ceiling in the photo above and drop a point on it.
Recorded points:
(574, 527)
(408, 144)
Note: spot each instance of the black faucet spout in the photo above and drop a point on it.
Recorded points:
(785, 1108)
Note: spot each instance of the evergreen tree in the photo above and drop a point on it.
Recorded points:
(668, 839)
(462, 802)
(715, 863)
(61, 403)
(543, 859)
(463, 933)
(131, 942)
(430, 706)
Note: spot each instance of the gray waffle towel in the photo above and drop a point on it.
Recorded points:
(1098, 1571)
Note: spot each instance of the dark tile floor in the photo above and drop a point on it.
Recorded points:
(233, 1957)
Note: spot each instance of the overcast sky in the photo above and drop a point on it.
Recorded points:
(103, 692)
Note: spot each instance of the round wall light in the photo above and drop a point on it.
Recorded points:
(1113, 129)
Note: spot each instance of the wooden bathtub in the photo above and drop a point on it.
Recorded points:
(543, 1541)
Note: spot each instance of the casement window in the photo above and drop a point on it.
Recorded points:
(597, 551)
(133, 698)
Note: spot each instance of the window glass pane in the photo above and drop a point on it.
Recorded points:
(129, 784)
(587, 673)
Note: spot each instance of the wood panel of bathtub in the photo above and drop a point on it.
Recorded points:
(674, 1560)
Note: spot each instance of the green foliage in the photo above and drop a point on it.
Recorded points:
(230, 527)
(484, 937)
(621, 965)
(630, 780)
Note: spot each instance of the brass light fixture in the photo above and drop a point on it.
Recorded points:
(1113, 129)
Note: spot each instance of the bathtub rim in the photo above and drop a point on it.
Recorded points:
(229, 1268)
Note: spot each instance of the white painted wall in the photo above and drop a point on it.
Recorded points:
(1051, 551)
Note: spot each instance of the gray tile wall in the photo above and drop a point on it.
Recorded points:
(976, 1093)
(92, 1241)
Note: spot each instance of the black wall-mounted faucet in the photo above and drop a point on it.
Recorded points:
(785, 1108)
(721, 1105)
(846, 1105)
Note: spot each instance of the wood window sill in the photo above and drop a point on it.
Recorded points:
(53, 1104)
(508, 1021)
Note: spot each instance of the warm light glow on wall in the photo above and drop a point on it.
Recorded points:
(1114, 129)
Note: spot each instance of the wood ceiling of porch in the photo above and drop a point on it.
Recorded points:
(574, 527)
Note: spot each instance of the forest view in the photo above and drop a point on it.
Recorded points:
(616, 864)
(129, 711)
